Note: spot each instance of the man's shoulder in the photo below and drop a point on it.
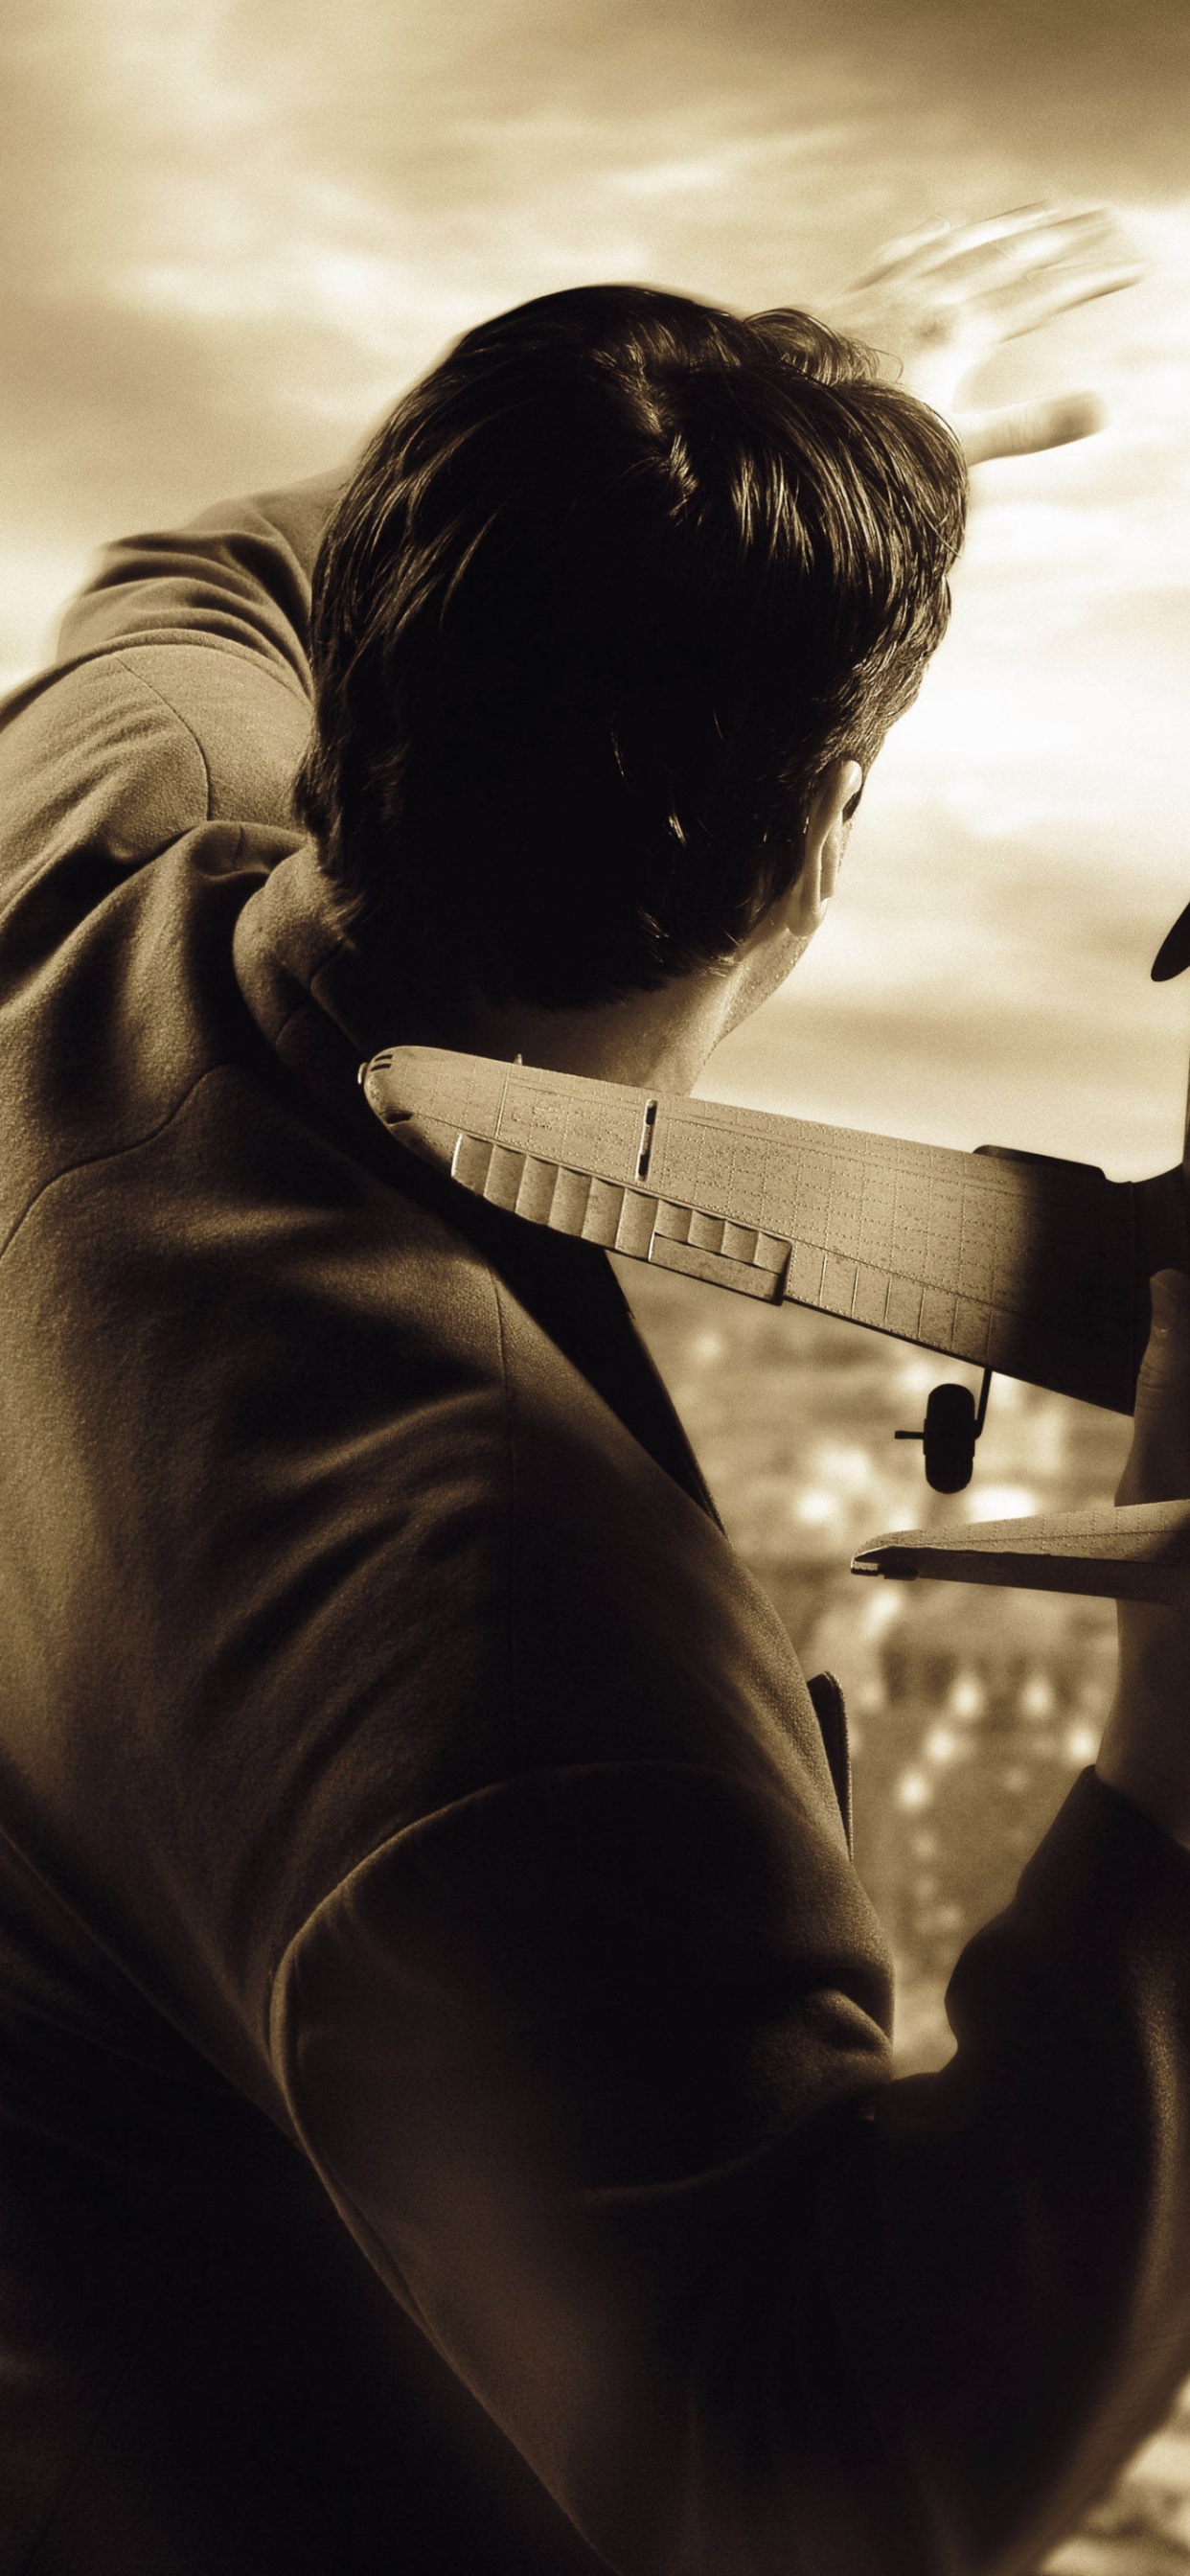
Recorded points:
(179, 692)
(124, 750)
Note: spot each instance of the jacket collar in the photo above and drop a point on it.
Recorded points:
(308, 987)
(312, 996)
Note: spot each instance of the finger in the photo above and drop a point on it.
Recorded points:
(1031, 235)
(942, 245)
(1158, 1467)
(1030, 238)
(1027, 240)
(1021, 304)
(1167, 1348)
(1027, 429)
(905, 253)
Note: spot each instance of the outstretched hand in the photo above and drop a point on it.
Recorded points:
(937, 304)
(1146, 1745)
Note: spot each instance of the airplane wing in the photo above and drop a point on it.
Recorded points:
(1024, 1264)
(1135, 1552)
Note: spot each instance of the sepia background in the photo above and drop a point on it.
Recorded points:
(232, 232)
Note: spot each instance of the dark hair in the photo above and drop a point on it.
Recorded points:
(609, 590)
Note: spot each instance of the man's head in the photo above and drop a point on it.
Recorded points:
(612, 592)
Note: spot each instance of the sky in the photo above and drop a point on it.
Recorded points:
(232, 233)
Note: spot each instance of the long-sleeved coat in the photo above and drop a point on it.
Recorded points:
(445, 2111)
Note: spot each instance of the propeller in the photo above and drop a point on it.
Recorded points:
(1173, 956)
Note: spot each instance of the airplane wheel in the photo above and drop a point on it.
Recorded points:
(949, 1438)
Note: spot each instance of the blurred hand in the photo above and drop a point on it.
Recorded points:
(1146, 1745)
(938, 303)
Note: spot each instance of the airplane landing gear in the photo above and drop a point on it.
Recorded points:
(952, 1426)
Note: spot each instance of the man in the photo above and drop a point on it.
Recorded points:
(446, 2110)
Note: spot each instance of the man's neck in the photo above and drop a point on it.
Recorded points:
(662, 1038)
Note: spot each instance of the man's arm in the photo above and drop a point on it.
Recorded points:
(639, 2173)
(1145, 1751)
(238, 574)
(180, 693)
(593, 2065)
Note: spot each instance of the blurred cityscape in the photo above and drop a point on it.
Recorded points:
(971, 1711)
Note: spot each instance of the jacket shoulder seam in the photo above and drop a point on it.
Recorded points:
(109, 1154)
(181, 639)
(178, 718)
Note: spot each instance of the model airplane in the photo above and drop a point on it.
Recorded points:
(1023, 1264)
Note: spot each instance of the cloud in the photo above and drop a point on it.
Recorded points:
(286, 226)
(968, 989)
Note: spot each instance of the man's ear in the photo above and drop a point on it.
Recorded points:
(835, 799)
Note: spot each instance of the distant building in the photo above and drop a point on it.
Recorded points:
(971, 1710)
(973, 1729)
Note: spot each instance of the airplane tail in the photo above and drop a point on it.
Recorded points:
(1125, 1552)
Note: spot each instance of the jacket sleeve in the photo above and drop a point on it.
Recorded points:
(617, 2127)
(239, 574)
(180, 692)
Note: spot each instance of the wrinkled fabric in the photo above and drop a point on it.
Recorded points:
(445, 2107)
